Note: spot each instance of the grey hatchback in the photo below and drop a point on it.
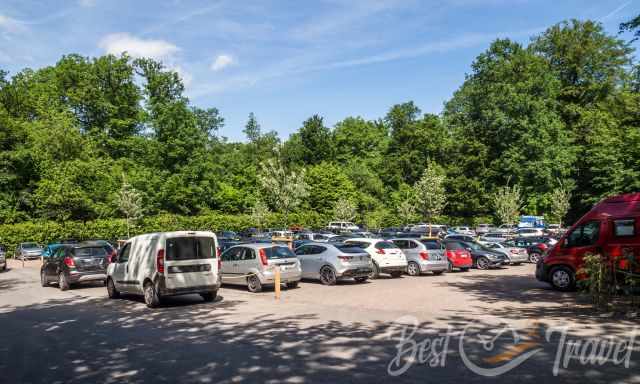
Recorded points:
(423, 256)
(331, 262)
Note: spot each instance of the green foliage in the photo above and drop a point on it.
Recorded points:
(507, 202)
(344, 210)
(429, 192)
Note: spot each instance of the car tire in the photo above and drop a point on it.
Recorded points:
(253, 284)
(482, 263)
(449, 266)
(396, 274)
(413, 269)
(464, 269)
(63, 283)
(375, 271)
(438, 272)
(112, 292)
(361, 279)
(562, 279)
(328, 276)
(292, 285)
(151, 296)
(534, 257)
(43, 279)
(208, 297)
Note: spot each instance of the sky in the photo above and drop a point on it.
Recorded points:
(288, 60)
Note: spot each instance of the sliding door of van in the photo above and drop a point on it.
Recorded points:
(190, 262)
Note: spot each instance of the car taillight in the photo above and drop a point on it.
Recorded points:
(68, 261)
(543, 246)
(424, 255)
(380, 251)
(218, 252)
(344, 258)
(263, 257)
(449, 254)
(160, 260)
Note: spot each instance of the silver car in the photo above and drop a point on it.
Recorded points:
(255, 265)
(514, 255)
(422, 256)
(330, 262)
(27, 251)
(3, 258)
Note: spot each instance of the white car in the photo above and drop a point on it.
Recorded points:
(166, 264)
(342, 226)
(530, 232)
(386, 256)
(507, 228)
(483, 228)
(464, 231)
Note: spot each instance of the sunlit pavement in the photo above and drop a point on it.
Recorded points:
(344, 333)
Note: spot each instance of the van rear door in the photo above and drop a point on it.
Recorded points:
(190, 262)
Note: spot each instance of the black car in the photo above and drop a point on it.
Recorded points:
(536, 247)
(77, 263)
(484, 257)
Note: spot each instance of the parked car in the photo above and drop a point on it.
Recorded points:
(493, 237)
(26, 251)
(163, 264)
(460, 237)
(515, 256)
(482, 229)
(422, 256)
(340, 238)
(457, 255)
(554, 229)
(339, 226)
(429, 229)
(535, 248)
(610, 228)
(3, 258)
(530, 232)
(386, 256)
(484, 257)
(332, 262)
(254, 265)
(316, 237)
(227, 235)
(51, 249)
(507, 228)
(463, 231)
(76, 263)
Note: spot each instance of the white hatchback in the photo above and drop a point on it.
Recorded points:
(385, 255)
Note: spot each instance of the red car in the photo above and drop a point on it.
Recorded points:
(458, 256)
(610, 229)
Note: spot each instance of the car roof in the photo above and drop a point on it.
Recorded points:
(366, 239)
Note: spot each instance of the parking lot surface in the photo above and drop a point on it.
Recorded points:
(350, 332)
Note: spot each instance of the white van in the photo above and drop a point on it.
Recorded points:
(166, 264)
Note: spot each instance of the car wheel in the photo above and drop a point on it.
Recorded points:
(438, 272)
(43, 279)
(464, 269)
(413, 269)
(375, 271)
(327, 276)
(450, 266)
(209, 296)
(396, 274)
(253, 284)
(516, 263)
(562, 279)
(111, 289)
(534, 257)
(292, 285)
(63, 283)
(361, 279)
(151, 296)
(482, 263)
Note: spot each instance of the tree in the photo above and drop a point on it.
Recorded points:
(406, 211)
(252, 129)
(344, 210)
(429, 192)
(130, 203)
(259, 214)
(632, 25)
(507, 202)
(560, 202)
(315, 142)
(283, 189)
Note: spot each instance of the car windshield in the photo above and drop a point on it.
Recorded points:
(430, 244)
(190, 248)
(278, 253)
(29, 245)
(91, 252)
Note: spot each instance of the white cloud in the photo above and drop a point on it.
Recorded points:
(221, 62)
(116, 43)
(87, 3)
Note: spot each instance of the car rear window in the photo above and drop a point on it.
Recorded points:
(431, 244)
(385, 245)
(347, 248)
(190, 248)
(278, 253)
(453, 245)
(91, 252)
(29, 245)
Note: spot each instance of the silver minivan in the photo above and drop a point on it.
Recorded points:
(255, 264)
(422, 256)
(331, 262)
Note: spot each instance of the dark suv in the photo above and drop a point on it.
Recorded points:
(535, 246)
(77, 263)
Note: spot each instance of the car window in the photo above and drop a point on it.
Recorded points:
(123, 256)
(248, 254)
(301, 251)
(385, 245)
(278, 252)
(360, 244)
(624, 228)
(190, 248)
(91, 252)
(453, 245)
(584, 235)
(348, 248)
(231, 254)
(431, 244)
(402, 244)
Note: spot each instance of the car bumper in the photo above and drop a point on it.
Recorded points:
(354, 272)
(393, 268)
(269, 277)
(434, 265)
(518, 259)
(542, 272)
(81, 277)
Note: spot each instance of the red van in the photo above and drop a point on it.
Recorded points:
(610, 229)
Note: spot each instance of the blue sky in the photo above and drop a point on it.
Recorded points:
(288, 60)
